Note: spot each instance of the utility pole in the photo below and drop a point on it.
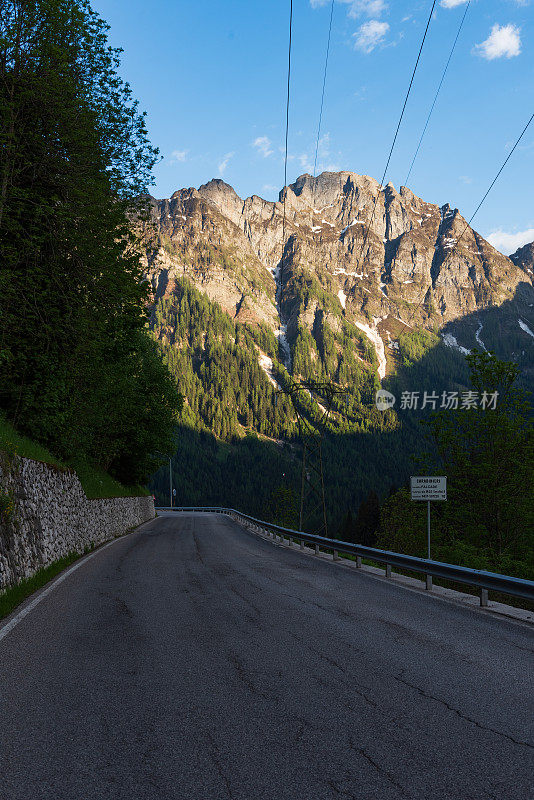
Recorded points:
(170, 482)
(312, 494)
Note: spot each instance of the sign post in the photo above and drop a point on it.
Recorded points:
(429, 487)
(428, 529)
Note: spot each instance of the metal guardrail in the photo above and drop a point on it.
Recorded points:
(485, 581)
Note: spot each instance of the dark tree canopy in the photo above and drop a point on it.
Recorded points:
(78, 371)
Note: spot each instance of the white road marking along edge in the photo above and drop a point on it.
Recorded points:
(50, 588)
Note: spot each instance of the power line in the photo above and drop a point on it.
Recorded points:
(437, 93)
(494, 181)
(398, 127)
(285, 161)
(287, 112)
(324, 84)
(477, 209)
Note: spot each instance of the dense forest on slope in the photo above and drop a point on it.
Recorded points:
(238, 436)
(79, 372)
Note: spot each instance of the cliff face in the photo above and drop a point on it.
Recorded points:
(349, 251)
(524, 258)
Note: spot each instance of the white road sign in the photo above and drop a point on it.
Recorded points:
(430, 487)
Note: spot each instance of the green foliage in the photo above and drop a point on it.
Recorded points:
(79, 374)
(282, 507)
(363, 528)
(13, 443)
(403, 529)
(488, 457)
(425, 363)
(216, 362)
(231, 411)
(403, 526)
(368, 520)
(95, 482)
(346, 532)
(241, 474)
(13, 596)
(413, 345)
(7, 505)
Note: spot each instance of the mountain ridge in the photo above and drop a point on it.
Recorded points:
(423, 266)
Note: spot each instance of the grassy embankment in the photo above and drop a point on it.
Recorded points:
(95, 482)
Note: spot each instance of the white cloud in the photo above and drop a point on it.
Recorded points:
(466, 179)
(504, 40)
(323, 150)
(371, 8)
(509, 242)
(305, 163)
(263, 145)
(452, 3)
(331, 168)
(268, 187)
(178, 156)
(357, 8)
(224, 163)
(369, 35)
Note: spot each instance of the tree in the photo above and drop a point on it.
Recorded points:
(403, 525)
(368, 520)
(282, 507)
(487, 453)
(347, 531)
(74, 155)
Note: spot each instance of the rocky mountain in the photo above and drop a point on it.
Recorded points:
(524, 258)
(347, 250)
(354, 282)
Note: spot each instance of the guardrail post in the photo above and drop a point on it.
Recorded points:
(507, 584)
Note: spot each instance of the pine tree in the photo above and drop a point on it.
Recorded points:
(74, 154)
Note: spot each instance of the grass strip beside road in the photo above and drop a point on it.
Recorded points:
(13, 596)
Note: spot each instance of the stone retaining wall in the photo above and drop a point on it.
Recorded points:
(45, 515)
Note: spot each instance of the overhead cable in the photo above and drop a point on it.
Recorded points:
(398, 126)
(438, 91)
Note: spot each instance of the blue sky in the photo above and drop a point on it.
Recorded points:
(212, 77)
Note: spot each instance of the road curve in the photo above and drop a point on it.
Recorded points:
(192, 660)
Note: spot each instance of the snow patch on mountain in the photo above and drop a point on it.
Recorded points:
(477, 337)
(450, 341)
(266, 364)
(373, 335)
(524, 327)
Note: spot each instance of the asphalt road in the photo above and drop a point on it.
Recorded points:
(194, 660)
